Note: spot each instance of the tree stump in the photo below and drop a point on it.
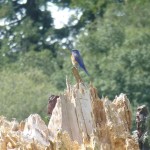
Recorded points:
(80, 120)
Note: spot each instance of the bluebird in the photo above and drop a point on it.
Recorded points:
(77, 60)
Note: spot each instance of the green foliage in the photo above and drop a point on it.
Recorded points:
(118, 53)
(28, 25)
(114, 40)
(24, 93)
(26, 84)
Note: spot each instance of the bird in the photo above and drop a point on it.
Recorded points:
(77, 60)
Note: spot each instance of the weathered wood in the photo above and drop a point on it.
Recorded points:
(93, 122)
(77, 76)
(31, 134)
(80, 120)
(143, 127)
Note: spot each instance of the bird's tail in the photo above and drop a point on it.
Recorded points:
(86, 71)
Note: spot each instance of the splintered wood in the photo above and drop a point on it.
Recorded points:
(79, 121)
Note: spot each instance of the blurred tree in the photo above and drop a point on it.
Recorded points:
(112, 35)
(117, 51)
(24, 93)
(88, 11)
(28, 25)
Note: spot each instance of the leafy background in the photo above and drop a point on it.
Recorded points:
(113, 37)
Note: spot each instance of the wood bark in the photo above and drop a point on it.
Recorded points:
(80, 120)
(143, 127)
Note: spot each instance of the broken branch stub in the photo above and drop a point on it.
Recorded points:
(76, 75)
(143, 127)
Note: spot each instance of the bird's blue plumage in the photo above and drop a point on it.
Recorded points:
(79, 60)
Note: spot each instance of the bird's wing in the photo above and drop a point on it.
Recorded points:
(79, 59)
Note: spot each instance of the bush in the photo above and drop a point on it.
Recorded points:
(23, 93)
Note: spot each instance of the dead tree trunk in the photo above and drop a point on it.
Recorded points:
(80, 120)
(143, 127)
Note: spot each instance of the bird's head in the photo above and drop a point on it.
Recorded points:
(75, 51)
